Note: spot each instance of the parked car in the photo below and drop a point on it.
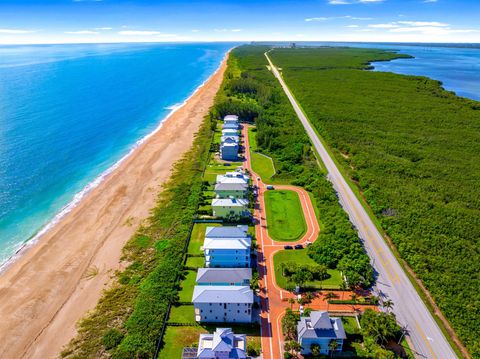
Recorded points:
(307, 243)
(298, 246)
(258, 178)
(287, 247)
(270, 187)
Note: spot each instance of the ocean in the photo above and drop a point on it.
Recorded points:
(70, 113)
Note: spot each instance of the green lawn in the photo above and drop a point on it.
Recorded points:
(182, 314)
(195, 262)
(176, 338)
(350, 325)
(198, 236)
(186, 293)
(285, 219)
(261, 164)
(300, 256)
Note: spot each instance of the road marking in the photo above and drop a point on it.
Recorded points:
(426, 340)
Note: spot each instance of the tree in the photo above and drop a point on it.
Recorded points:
(387, 304)
(332, 346)
(328, 297)
(315, 349)
(289, 324)
(302, 276)
(381, 327)
(293, 347)
(292, 302)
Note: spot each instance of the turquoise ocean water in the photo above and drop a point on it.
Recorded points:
(68, 113)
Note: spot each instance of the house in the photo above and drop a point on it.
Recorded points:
(222, 344)
(224, 276)
(231, 190)
(229, 132)
(227, 252)
(240, 231)
(230, 119)
(229, 150)
(230, 139)
(230, 207)
(320, 329)
(237, 176)
(223, 304)
(230, 126)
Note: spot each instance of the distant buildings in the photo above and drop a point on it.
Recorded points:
(227, 247)
(320, 329)
(223, 304)
(230, 207)
(222, 344)
(224, 276)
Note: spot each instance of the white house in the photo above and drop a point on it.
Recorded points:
(229, 149)
(237, 176)
(240, 231)
(231, 119)
(320, 329)
(231, 190)
(230, 207)
(229, 132)
(222, 344)
(223, 304)
(224, 276)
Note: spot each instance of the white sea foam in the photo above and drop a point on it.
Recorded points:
(77, 198)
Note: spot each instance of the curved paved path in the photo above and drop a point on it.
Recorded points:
(273, 299)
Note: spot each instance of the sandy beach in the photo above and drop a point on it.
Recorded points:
(50, 287)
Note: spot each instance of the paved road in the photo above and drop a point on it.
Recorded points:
(273, 299)
(425, 336)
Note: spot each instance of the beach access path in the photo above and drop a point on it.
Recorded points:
(55, 282)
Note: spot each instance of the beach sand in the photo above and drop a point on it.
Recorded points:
(54, 283)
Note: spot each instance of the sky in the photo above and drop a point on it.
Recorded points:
(83, 21)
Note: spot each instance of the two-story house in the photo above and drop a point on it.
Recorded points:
(231, 190)
(222, 344)
(230, 207)
(320, 329)
(223, 304)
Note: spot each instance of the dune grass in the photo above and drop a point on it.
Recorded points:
(285, 219)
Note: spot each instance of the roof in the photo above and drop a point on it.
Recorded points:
(231, 117)
(230, 138)
(227, 243)
(223, 275)
(320, 325)
(230, 202)
(222, 340)
(229, 144)
(222, 294)
(230, 125)
(227, 232)
(231, 186)
(223, 179)
(230, 131)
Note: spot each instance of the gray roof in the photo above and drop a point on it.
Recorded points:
(223, 275)
(222, 294)
(230, 202)
(320, 325)
(230, 125)
(227, 232)
(222, 340)
(231, 187)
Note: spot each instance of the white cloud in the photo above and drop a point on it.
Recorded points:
(15, 31)
(103, 28)
(423, 23)
(310, 19)
(353, 26)
(195, 30)
(82, 32)
(432, 30)
(139, 33)
(383, 26)
(429, 1)
(227, 30)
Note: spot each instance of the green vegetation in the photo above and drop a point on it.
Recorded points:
(412, 149)
(332, 278)
(286, 221)
(184, 314)
(188, 282)
(280, 135)
(261, 164)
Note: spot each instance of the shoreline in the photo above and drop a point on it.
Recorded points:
(78, 197)
(51, 275)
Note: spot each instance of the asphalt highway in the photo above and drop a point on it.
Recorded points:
(426, 338)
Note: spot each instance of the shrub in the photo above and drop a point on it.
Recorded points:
(112, 338)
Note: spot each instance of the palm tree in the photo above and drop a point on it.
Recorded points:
(332, 346)
(292, 302)
(329, 296)
(387, 304)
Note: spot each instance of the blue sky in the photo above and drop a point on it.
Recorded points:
(66, 21)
